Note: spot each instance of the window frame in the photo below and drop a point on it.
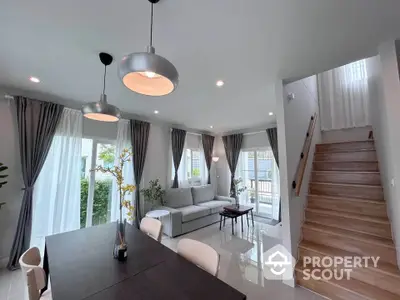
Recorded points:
(92, 176)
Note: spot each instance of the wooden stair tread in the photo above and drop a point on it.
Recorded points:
(350, 215)
(348, 185)
(345, 172)
(333, 198)
(345, 161)
(348, 142)
(383, 267)
(345, 150)
(363, 237)
(362, 289)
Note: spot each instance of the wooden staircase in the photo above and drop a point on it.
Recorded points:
(346, 217)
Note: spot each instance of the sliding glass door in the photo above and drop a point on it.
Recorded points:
(260, 175)
(96, 186)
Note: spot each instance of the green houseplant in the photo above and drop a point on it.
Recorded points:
(154, 193)
(238, 190)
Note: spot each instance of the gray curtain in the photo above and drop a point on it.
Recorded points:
(272, 134)
(178, 137)
(232, 145)
(208, 145)
(37, 122)
(140, 138)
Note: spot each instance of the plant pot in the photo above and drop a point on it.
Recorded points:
(252, 200)
(120, 251)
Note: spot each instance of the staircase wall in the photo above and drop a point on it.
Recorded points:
(384, 87)
(293, 118)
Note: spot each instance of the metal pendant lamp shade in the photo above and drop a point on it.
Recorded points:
(147, 73)
(102, 111)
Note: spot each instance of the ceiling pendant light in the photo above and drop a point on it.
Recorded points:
(102, 111)
(147, 73)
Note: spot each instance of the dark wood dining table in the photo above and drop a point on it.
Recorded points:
(81, 266)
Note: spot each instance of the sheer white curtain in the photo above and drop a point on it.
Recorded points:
(56, 196)
(344, 97)
(123, 141)
(203, 166)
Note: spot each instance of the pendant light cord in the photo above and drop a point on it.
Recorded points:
(151, 25)
(104, 79)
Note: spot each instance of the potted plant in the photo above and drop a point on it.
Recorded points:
(154, 193)
(252, 196)
(121, 247)
(238, 190)
(2, 176)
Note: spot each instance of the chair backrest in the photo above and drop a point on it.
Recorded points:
(35, 281)
(200, 254)
(152, 227)
(29, 259)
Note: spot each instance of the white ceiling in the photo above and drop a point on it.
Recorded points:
(247, 43)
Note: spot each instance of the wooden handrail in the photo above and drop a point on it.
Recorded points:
(304, 156)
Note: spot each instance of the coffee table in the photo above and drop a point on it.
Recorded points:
(235, 211)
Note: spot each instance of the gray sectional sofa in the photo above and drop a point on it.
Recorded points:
(191, 209)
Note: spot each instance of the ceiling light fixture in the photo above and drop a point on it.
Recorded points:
(211, 127)
(220, 83)
(147, 73)
(102, 111)
(215, 158)
(271, 113)
(34, 79)
(156, 112)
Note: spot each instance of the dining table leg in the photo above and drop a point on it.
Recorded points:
(233, 232)
(220, 222)
(241, 219)
(252, 217)
(247, 217)
(46, 269)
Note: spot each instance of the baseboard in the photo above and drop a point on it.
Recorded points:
(3, 262)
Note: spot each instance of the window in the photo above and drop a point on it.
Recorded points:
(260, 175)
(191, 167)
(96, 186)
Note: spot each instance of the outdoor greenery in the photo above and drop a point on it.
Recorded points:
(101, 199)
(154, 193)
(107, 154)
(3, 168)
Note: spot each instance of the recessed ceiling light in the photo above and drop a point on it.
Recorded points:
(34, 79)
(156, 112)
(211, 127)
(220, 83)
(271, 113)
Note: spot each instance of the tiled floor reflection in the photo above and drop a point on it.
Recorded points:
(240, 265)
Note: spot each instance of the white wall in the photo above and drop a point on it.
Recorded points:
(293, 118)
(346, 135)
(384, 87)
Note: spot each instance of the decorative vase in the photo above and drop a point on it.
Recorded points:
(120, 246)
(237, 201)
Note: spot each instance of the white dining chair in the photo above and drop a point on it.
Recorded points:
(36, 280)
(200, 254)
(30, 258)
(151, 227)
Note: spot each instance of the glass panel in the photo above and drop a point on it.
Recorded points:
(103, 184)
(196, 163)
(86, 158)
(264, 183)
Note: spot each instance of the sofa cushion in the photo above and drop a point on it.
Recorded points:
(215, 206)
(179, 197)
(193, 212)
(202, 194)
